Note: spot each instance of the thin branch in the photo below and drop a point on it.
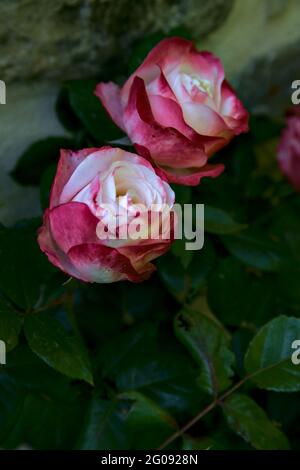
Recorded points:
(217, 401)
(187, 426)
(52, 304)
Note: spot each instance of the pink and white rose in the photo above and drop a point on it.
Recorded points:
(289, 148)
(97, 192)
(178, 110)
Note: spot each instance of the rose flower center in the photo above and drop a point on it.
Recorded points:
(192, 81)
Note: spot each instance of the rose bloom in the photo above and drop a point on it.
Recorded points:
(96, 194)
(289, 148)
(177, 109)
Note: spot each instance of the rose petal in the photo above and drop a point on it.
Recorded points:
(204, 120)
(234, 113)
(193, 177)
(166, 146)
(73, 224)
(166, 55)
(53, 252)
(110, 96)
(99, 263)
(96, 162)
(67, 164)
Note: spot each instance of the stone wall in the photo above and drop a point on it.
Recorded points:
(259, 44)
(60, 39)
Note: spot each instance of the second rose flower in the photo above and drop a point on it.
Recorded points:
(178, 110)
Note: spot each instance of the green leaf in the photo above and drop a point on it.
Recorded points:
(208, 342)
(241, 160)
(34, 161)
(264, 128)
(183, 283)
(240, 343)
(105, 425)
(145, 414)
(178, 395)
(204, 443)
(236, 296)
(183, 194)
(287, 290)
(64, 111)
(268, 360)
(221, 193)
(143, 356)
(285, 226)
(248, 420)
(254, 249)
(116, 424)
(221, 438)
(200, 267)
(284, 408)
(11, 402)
(172, 274)
(46, 184)
(51, 404)
(150, 360)
(10, 326)
(48, 423)
(23, 267)
(93, 301)
(143, 300)
(90, 111)
(59, 349)
(220, 222)
(185, 256)
(32, 373)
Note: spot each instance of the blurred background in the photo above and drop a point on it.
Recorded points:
(44, 43)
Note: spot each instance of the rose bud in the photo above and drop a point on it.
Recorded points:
(100, 225)
(177, 109)
(289, 148)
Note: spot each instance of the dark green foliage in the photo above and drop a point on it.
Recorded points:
(123, 366)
